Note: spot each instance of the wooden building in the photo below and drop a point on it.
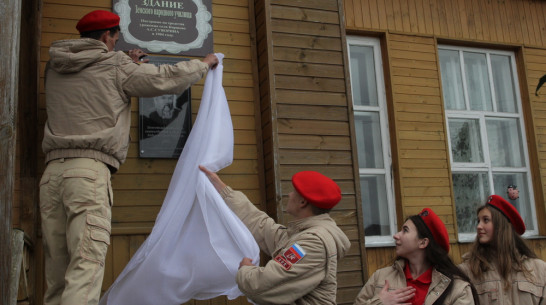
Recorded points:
(405, 104)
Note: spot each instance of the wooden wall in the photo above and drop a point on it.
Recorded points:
(503, 21)
(305, 113)
(140, 184)
(409, 32)
(533, 62)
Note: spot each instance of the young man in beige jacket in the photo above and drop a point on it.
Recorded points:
(305, 252)
(88, 88)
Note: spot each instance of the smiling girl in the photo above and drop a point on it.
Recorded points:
(423, 273)
(501, 265)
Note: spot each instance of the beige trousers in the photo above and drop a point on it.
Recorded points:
(75, 205)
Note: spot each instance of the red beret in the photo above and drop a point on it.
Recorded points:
(97, 20)
(509, 211)
(316, 188)
(436, 227)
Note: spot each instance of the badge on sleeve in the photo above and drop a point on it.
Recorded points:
(282, 261)
(291, 256)
(294, 254)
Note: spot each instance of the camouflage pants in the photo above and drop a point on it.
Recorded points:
(75, 206)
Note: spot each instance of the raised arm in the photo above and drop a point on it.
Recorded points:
(148, 80)
(265, 231)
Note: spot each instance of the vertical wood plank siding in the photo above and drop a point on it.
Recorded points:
(410, 32)
(305, 113)
(534, 64)
(507, 21)
(141, 184)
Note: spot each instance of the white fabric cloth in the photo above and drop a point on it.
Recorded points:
(197, 243)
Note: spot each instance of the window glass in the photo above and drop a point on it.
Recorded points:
(368, 140)
(477, 80)
(523, 203)
(503, 83)
(505, 146)
(466, 145)
(363, 83)
(375, 205)
(452, 81)
(470, 189)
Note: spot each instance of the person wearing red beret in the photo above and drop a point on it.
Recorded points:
(500, 264)
(305, 252)
(422, 273)
(88, 89)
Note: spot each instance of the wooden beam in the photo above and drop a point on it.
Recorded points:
(28, 140)
(9, 64)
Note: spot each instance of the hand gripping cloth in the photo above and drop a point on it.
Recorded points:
(197, 242)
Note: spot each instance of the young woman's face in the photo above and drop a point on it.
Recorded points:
(485, 226)
(407, 240)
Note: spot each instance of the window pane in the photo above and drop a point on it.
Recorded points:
(375, 205)
(477, 81)
(363, 83)
(501, 181)
(466, 145)
(470, 191)
(368, 140)
(504, 83)
(452, 81)
(505, 145)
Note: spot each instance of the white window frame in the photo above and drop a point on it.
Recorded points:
(486, 166)
(381, 109)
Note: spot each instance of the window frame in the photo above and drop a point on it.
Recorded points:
(482, 116)
(381, 109)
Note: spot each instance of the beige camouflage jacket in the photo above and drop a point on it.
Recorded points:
(460, 294)
(88, 92)
(523, 291)
(304, 256)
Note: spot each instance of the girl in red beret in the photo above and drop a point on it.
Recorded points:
(502, 267)
(422, 273)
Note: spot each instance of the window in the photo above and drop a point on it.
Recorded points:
(486, 133)
(372, 139)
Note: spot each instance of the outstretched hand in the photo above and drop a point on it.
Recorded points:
(246, 262)
(213, 177)
(211, 60)
(398, 296)
(137, 55)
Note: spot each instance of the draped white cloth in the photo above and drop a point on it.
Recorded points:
(197, 243)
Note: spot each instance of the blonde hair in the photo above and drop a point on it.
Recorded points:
(484, 257)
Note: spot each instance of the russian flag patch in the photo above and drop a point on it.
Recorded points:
(294, 253)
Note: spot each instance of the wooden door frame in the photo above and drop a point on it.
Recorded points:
(10, 22)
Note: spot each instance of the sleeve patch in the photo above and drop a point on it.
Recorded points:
(294, 254)
(283, 262)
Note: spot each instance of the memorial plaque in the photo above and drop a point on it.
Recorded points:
(164, 121)
(182, 27)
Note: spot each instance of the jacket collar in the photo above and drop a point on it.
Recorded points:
(439, 280)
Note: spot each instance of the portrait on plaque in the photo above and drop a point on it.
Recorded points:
(164, 121)
(176, 27)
